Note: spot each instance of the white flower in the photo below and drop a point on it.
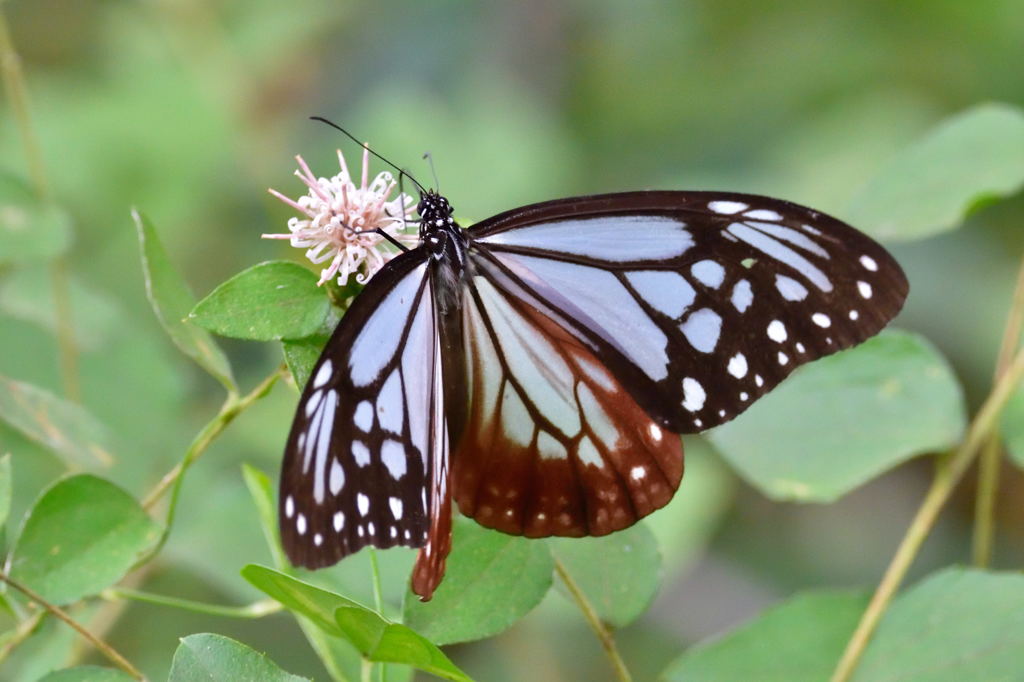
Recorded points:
(340, 221)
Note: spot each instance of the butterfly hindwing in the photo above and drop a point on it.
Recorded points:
(697, 302)
(553, 444)
(360, 453)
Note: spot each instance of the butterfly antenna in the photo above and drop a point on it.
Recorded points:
(367, 148)
(430, 160)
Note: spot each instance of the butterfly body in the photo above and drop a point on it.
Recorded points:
(536, 367)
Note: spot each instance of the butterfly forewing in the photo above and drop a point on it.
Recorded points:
(359, 456)
(697, 302)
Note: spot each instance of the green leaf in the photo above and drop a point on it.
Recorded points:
(30, 230)
(6, 484)
(87, 673)
(205, 657)
(491, 581)
(968, 160)
(28, 295)
(312, 602)
(845, 419)
(82, 535)
(384, 642)
(375, 637)
(618, 573)
(62, 426)
(301, 355)
(958, 624)
(798, 641)
(171, 300)
(267, 302)
(1013, 427)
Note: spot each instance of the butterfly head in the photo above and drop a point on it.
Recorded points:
(434, 210)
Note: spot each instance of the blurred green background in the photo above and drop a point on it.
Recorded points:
(190, 109)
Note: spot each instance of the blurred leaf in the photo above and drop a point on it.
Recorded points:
(846, 418)
(1013, 427)
(87, 673)
(385, 642)
(82, 535)
(301, 355)
(969, 159)
(374, 636)
(30, 230)
(619, 573)
(685, 524)
(267, 302)
(491, 581)
(62, 426)
(261, 490)
(205, 657)
(958, 624)
(171, 300)
(28, 294)
(798, 641)
(6, 484)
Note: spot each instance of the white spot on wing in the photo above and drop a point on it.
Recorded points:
(318, 539)
(702, 329)
(339, 521)
(738, 366)
(821, 319)
(869, 263)
(300, 524)
(360, 453)
(289, 507)
(854, 314)
(790, 289)
(337, 479)
(393, 455)
(864, 288)
(323, 374)
(666, 291)
(783, 358)
(396, 507)
(655, 431)
(364, 504)
(763, 214)
(742, 295)
(638, 473)
(777, 331)
(727, 207)
(364, 416)
(709, 273)
(693, 395)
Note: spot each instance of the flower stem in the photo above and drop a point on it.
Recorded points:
(991, 455)
(604, 635)
(257, 609)
(101, 646)
(232, 407)
(17, 95)
(947, 474)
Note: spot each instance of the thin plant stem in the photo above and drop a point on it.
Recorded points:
(101, 646)
(17, 95)
(991, 455)
(948, 473)
(604, 635)
(25, 629)
(257, 609)
(232, 407)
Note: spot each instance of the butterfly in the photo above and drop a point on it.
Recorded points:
(537, 366)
